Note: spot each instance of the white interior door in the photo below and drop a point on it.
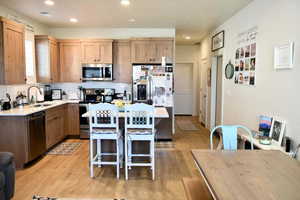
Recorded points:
(183, 83)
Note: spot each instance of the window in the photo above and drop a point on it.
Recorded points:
(30, 57)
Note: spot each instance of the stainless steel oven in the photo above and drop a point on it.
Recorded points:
(84, 121)
(97, 72)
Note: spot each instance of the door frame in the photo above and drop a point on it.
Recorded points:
(194, 87)
(213, 96)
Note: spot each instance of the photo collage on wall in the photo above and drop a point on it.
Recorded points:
(245, 59)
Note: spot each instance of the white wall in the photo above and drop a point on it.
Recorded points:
(276, 92)
(189, 54)
(39, 28)
(111, 33)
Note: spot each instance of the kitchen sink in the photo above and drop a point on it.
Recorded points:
(41, 105)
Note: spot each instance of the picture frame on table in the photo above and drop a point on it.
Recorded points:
(277, 130)
(218, 41)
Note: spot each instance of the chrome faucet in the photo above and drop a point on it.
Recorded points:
(28, 92)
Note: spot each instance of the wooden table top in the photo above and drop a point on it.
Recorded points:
(249, 175)
(159, 112)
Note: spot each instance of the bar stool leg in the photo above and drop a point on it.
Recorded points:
(121, 151)
(153, 158)
(99, 152)
(129, 153)
(118, 158)
(126, 159)
(91, 159)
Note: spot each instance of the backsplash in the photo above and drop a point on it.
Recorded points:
(12, 90)
(69, 88)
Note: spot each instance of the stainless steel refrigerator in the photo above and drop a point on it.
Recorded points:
(154, 84)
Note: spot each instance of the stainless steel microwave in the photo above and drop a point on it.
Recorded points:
(97, 72)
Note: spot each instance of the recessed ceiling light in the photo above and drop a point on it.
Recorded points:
(187, 37)
(49, 2)
(45, 13)
(125, 2)
(131, 20)
(73, 20)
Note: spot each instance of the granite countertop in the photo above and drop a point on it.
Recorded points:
(30, 109)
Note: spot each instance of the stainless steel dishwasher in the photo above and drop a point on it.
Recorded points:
(37, 135)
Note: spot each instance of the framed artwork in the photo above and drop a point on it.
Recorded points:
(56, 94)
(265, 123)
(284, 56)
(277, 130)
(218, 41)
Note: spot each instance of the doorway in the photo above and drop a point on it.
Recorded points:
(183, 96)
(216, 91)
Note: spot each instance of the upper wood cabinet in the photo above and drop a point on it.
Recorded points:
(151, 50)
(47, 66)
(70, 60)
(122, 64)
(96, 51)
(12, 52)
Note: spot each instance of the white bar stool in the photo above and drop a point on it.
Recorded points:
(104, 125)
(139, 126)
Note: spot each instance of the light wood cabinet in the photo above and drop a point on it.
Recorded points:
(151, 50)
(96, 51)
(47, 66)
(70, 60)
(55, 125)
(12, 52)
(73, 124)
(122, 64)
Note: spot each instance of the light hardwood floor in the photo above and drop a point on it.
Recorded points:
(68, 176)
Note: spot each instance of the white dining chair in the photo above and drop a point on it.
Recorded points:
(104, 125)
(139, 126)
(229, 136)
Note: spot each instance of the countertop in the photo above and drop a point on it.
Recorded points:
(30, 109)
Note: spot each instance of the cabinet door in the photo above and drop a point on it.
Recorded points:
(91, 52)
(106, 52)
(164, 49)
(14, 54)
(152, 53)
(54, 66)
(122, 64)
(52, 129)
(139, 51)
(43, 66)
(70, 62)
(73, 119)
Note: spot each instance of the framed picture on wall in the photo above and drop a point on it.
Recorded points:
(218, 41)
(277, 130)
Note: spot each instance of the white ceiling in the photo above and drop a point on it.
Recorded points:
(194, 18)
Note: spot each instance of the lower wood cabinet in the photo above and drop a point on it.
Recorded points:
(73, 124)
(55, 125)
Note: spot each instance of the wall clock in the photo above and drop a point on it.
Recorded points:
(229, 70)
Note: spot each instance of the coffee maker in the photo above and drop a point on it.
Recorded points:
(47, 93)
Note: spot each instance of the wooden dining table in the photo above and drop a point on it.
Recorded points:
(249, 175)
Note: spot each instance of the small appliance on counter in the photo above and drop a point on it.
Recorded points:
(47, 93)
(6, 104)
